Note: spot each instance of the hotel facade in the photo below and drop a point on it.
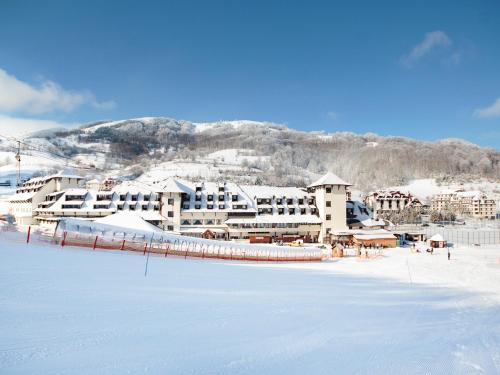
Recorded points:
(208, 209)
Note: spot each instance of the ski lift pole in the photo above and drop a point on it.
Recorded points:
(147, 258)
(18, 158)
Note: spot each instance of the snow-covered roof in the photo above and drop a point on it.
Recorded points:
(470, 194)
(329, 179)
(151, 215)
(135, 187)
(128, 219)
(172, 185)
(372, 223)
(269, 192)
(21, 197)
(49, 177)
(76, 191)
(374, 236)
(437, 238)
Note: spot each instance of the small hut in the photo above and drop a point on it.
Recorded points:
(437, 241)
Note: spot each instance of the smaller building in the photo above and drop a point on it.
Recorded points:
(437, 241)
(363, 237)
(375, 239)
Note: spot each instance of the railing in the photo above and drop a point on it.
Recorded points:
(189, 247)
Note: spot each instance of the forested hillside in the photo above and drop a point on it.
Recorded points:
(275, 153)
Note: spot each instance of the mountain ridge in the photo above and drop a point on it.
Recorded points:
(272, 153)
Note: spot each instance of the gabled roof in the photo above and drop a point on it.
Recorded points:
(437, 238)
(173, 186)
(329, 179)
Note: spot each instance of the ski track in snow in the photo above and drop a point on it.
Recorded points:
(76, 311)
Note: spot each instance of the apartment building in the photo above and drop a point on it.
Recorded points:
(382, 202)
(466, 203)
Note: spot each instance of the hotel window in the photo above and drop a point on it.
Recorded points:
(328, 189)
(301, 201)
(197, 206)
(221, 198)
(210, 197)
(281, 211)
(289, 201)
(222, 206)
(210, 206)
(197, 222)
(328, 217)
(147, 197)
(234, 197)
(170, 213)
(170, 201)
(302, 211)
(328, 204)
(279, 201)
(186, 222)
(209, 222)
(170, 227)
(291, 211)
(144, 207)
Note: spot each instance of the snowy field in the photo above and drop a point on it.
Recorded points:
(76, 311)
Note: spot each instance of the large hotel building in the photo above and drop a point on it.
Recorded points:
(214, 210)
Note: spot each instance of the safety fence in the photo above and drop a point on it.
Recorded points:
(80, 233)
(185, 247)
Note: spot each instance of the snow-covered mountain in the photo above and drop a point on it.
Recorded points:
(153, 148)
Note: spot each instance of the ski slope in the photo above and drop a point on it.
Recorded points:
(77, 311)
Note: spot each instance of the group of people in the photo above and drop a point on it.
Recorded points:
(429, 250)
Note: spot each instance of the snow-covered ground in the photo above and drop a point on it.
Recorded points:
(214, 165)
(76, 311)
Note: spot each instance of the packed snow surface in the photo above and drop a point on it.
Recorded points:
(76, 311)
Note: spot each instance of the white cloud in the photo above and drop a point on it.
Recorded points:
(48, 96)
(332, 115)
(489, 112)
(431, 41)
(18, 127)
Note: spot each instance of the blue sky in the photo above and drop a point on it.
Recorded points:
(423, 69)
